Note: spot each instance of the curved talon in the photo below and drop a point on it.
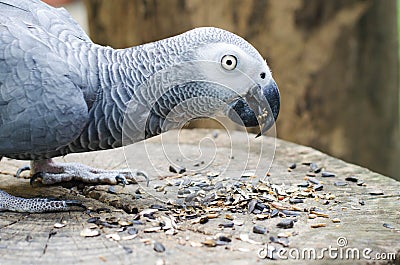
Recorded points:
(121, 179)
(36, 176)
(22, 169)
(143, 174)
(77, 203)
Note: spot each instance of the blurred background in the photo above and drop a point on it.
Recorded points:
(336, 62)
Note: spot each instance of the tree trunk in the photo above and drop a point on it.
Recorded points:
(334, 61)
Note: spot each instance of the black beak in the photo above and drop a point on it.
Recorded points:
(260, 107)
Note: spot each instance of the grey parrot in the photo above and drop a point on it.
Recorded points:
(61, 93)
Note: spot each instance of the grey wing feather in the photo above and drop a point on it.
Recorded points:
(42, 108)
(55, 21)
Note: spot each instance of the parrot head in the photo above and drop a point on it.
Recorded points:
(206, 71)
(238, 67)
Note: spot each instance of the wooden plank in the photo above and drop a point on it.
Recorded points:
(33, 239)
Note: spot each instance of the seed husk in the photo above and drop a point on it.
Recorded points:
(312, 216)
(158, 247)
(124, 223)
(313, 167)
(212, 215)
(158, 207)
(340, 183)
(93, 220)
(295, 200)
(292, 166)
(290, 213)
(251, 206)
(274, 213)
(114, 237)
(89, 232)
(318, 225)
(152, 229)
(319, 214)
(203, 220)
(336, 220)
(59, 225)
(304, 184)
(360, 183)
(132, 230)
(209, 243)
(376, 192)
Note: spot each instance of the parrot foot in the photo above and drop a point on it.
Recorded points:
(35, 205)
(49, 172)
(22, 169)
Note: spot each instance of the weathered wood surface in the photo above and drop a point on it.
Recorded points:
(33, 239)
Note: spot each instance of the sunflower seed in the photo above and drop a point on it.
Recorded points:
(318, 187)
(287, 223)
(259, 229)
(290, 213)
(226, 225)
(326, 174)
(376, 192)
(388, 226)
(93, 220)
(314, 167)
(314, 181)
(177, 169)
(158, 247)
(351, 179)
(274, 213)
(224, 238)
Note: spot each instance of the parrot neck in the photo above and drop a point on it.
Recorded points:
(121, 72)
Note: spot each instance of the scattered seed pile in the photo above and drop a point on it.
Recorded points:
(198, 200)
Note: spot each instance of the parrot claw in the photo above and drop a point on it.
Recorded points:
(143, 174)
(77, 203)
(121, 179)
(22, 169)
(37, 176)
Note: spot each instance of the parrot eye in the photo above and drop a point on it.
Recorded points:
(229, 62)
